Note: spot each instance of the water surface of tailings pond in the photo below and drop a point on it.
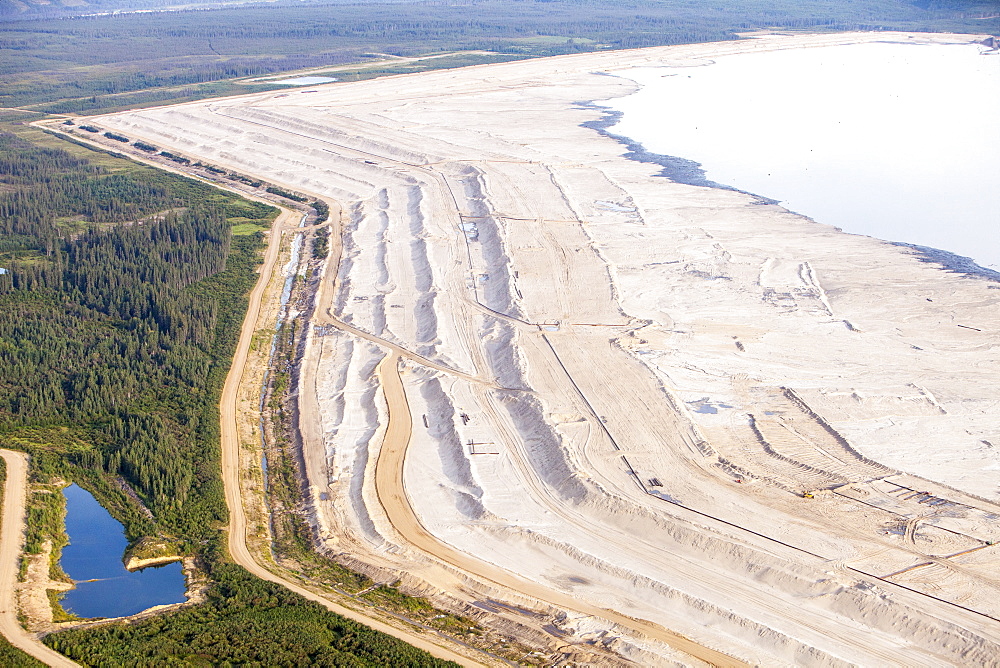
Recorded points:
(93, 559)
(895, 141)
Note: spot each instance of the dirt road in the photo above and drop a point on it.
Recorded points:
(392, 496)
(681, 404)
(231, 473)
(11, 540)
(286, 222)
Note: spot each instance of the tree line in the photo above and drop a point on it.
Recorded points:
(119, 302)
(117, 326)
(245, 622)
(92, 59)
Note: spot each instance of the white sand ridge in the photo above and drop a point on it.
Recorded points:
(621, 387)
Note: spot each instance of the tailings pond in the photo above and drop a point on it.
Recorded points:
(93, 559)
(895, 141)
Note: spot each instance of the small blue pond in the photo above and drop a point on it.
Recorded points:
(97, 543)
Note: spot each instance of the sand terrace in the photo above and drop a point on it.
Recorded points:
(618, 389)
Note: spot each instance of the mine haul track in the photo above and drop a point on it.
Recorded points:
(232, 471)
(393, 498)
(801, 576)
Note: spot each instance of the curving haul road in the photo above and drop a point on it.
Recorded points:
(231, 473)
(389, 483)
(392, 497)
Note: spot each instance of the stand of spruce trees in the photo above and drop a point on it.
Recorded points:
(121, 300)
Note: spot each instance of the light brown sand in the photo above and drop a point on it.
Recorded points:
(564, 316)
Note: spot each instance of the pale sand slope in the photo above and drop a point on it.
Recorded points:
(480, 214)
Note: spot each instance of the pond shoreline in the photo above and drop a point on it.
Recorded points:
(93, 559)
(134, 564)
(802, 140)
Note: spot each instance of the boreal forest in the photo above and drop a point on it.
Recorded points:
(121, 294)
(98, 60)
(119, 300)
(123, 287)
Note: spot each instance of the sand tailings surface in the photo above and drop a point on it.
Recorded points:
(622, 390)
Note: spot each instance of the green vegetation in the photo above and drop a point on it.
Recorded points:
(175, 158)
(117, 137)
(114, 342)
(233, 176)
(211, 168)
(321, 238)
(45, 511)
(391, 597)
(292, 534)
(59, 613)
(322, 212)
(420, 609)
(150, 548)
(245, 229)
(12, 657)
(246, 622)
(86, 65)
(287, 194)
(408, 66)
(321, 243)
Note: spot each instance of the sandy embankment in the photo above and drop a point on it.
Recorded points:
(136, 564)
(619, 386)
(11, 545)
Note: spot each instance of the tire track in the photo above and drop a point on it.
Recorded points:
(231, 472)
(392, 496)
(11, 542)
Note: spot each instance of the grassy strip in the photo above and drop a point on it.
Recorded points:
(428, 64)
(294, 539)
(12, 657)
(90, 65)
(287, 194)
(59, 614)
(246, 621)
(45, 518)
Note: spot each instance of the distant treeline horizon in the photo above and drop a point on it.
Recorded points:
(31, 9)
(98, 62)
